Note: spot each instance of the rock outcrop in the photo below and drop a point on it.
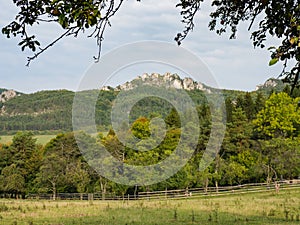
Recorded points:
(167, 80)
(271, 84)
(7, 95)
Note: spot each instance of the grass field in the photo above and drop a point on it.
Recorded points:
(262, 208)
(41, 139)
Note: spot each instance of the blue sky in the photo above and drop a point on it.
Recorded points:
(235, 64)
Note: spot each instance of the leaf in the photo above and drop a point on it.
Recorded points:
(61, 19)
(292, 40)
(273, 61)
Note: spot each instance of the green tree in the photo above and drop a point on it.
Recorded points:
(183, 179)
(5, 156)
(237, 134)
(259, 102)
(281, 158)
(12, 181)
(242, 167)
(141, 128)
(229, 109)
(205, 126)
(79, 175)
(249, 107)
(26, 155)
(52, 174)
(63, 166)
(173, 119)
(113, 145)
(235, 173)
(279, 117)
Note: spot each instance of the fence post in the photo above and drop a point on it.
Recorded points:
(90, 196)
(166, 193)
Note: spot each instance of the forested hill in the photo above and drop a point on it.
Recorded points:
(51, 111)
(45, 110)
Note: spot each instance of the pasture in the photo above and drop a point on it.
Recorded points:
(252, 208)
(41, 139)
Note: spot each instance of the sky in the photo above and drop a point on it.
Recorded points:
(235, 64)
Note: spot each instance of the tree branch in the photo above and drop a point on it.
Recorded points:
(29, 59)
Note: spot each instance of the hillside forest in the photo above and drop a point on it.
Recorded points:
(261, 143)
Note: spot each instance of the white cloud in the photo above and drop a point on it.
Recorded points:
(234, 62)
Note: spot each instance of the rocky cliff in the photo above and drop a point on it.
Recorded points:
(167, 80)
(271, 83)
(7, 95)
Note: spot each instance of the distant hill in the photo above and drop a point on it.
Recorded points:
(45, 110)
(167, 80)
(270, 85)
(51, 111)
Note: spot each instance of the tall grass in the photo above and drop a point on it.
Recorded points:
(262, 208)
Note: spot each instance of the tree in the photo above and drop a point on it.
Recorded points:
(62, 168)
(280, 19)
(51, 174)
(237, 134)
(113, 145)
(5, 156)
(235, 172)
(141, 128)
(229, 109)
(173, 119)
(279, 117)
(259, 102)
(249, 107)
(280, 158)
(79, 176)
(26, 155)
(12, 181)
(241, 167)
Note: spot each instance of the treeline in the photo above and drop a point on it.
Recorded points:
(261, 144)
(51, 111)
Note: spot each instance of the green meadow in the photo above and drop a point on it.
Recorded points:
(41, 139)
(259, 208)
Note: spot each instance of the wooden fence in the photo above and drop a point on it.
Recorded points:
(176, 194)
(213, 191)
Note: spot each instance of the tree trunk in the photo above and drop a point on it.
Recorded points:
(135, 190)
(53, 191)
(206, 185)
(103, 183)
(216, 172)
(103, 193)
(268, 176)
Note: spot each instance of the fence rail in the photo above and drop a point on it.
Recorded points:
(176, 194)
(213, 191)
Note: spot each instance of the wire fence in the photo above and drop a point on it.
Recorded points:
(176, 194)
